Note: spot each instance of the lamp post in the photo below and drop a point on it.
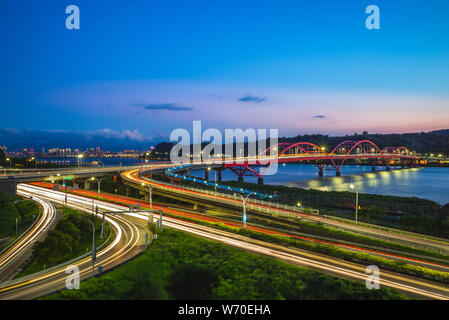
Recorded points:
(98, 184)
(65, 187)
(94, 251)
(244, 201)
(150, 189)
(80, 160)
(9, 159)
(356, 201)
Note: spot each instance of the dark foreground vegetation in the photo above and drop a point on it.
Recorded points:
(182, 266)
(71, 238)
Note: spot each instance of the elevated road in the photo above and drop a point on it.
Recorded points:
(129, 241)
(20, 250)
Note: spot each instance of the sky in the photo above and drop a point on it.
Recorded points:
(136, 70)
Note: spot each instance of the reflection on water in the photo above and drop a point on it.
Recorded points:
(427, 183)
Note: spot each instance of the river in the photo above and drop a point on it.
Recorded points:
(428, 183)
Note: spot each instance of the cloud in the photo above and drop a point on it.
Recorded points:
(133, 135)
(319, 116)
(250, 98)
(163, 106)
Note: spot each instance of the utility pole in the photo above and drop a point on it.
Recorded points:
(215, 176)
(94, 250)
(102, 226)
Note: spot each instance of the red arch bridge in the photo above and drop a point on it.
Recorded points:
(312, 153)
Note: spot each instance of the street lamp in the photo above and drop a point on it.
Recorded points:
(245, 200)
(94, 250)
(65, 187)
(9, 159)
(356, 201)
(150, 189)
(98, 183)
(80, 160)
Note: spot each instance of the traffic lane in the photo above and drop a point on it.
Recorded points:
(128, 247)
(18, 253)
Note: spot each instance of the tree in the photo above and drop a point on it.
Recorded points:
(191, 281)
(372, 214)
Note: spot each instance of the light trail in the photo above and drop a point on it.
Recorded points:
(344, 269)
(125, 245)
(17, 253)
(133, 177)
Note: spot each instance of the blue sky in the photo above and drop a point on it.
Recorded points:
(139, 69)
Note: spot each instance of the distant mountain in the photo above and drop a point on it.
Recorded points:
(423, 142)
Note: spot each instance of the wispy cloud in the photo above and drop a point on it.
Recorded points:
(133, 135)
(319, 116)
(163, 106)
(250, 98)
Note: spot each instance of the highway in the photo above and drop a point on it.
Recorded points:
(337, 267)
(136, 177)
(182, 212)
(20, 250)
(129, 241)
